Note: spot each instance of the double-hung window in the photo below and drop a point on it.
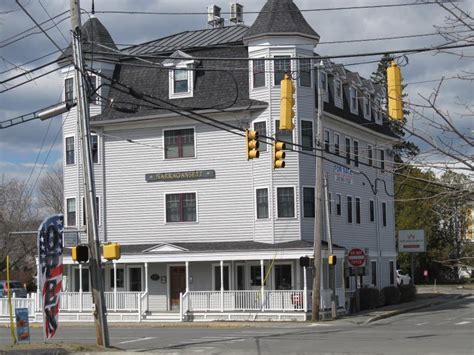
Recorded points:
(308, 202)
(70, 155)
(353, 97)
(181, 81)
(384, 214)
(371, 210)
(356, 153)
(305, 72)
(349, 209)
(262, 203)
(282, 65)
(307, 135)
(382, 160)
(337, 139)
(338, 89)
(323, 82)
(261, 129)
(179, 143)
(181, 207)
(370, 156)
(258, 73)
(338, 204)
(373, 270)
(357, 201)
(330, 202)
(326, 140)
(348, 150)
(69, 90)
(71, 212)
(92, 89)
(95, 148)
(283, 135)
(286, 202)
(367, 107)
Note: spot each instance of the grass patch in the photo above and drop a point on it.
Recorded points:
(59, 347)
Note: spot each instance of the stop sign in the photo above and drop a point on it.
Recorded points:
(356, 257)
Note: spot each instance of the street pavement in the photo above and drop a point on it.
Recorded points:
(446, 328)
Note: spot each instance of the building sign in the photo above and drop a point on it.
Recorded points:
(356, 257)
(411, 241)
(22, 324)
(342, 174)
(181, 175)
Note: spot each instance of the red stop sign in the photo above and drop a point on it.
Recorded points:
(356, 257)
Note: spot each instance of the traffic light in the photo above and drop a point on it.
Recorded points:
(332, 260)
(305, 261)
(278, 155)
(80, 253)
(252, 144)
(287, 103)
(394, 92)
(111, 251)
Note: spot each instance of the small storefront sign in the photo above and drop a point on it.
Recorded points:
(411, 241)
(342, 174)
(181, 175)
(22, 325)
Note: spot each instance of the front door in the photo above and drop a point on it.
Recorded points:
(177, 284)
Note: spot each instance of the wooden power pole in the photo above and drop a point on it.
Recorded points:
(95, 265)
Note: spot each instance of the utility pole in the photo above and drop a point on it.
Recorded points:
(318, 218)
(332, 267)
(95, 265)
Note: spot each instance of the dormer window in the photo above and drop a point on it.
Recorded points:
(377, 112)
(323, 81)
(181, 75)
(367, 108)
(338, 89)
(353, 98)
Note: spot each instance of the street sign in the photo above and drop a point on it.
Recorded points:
(356, 257)
(411, 241)
(22, 324)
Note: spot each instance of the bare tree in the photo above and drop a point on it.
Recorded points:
(51, 190)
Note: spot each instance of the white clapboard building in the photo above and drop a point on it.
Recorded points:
(206, 233)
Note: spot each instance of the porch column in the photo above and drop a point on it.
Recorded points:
(305, 291)
(187, 276)
(80, 287)
(222, 285)
(262, 284)
(115, 285)
(146, 277)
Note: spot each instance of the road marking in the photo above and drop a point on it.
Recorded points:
(462, 323)
(423, 323)
(319, 325)
(135, 340)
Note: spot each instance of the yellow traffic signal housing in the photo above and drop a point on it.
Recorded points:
(287, 103)
(251, 138)
(332, 260)
(278, 155)
(80, 253)
(111, 251)
(394, 92)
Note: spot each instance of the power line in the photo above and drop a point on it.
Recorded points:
(341, 8)
(32, 79)
(26, 63)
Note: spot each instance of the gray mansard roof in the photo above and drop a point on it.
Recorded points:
(280, 17)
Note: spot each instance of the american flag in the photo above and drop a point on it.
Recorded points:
(50, 273)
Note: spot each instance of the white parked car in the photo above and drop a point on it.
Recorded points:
(402, 279)
(464, 272)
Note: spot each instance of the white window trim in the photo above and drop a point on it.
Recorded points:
(338, 198)
(293, 274)
(252, 62)
(302, 201)
(339, 142)
(268, 203)
(67, 212)
(329, 139)
(181, 95)
(373, 203)
(75, 150)
(127, 276)
(266, 130)
(301, 132)
(64, 87)
(368, 114)
(352, 210)
(97, 83)
(229, 272)
(382, 202)
(376, 272)
(175, 129)
(377, 111)
(310, 74)
(338, 99)
(325, 90)
(354, 152)
(98, 148)
(175, 193)
(353, 110)
(83, 205)
(351, 150)
(355, 210)
(294, 202)
(291, 131)
(370, 161)
(276, 56)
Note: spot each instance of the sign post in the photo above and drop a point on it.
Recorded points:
(356, 259)
(22, 324)
(411, 241)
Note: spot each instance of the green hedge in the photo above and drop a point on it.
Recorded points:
(407, 293)
(391, 295)
(371, 298)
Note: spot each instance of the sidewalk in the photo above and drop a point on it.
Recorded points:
(427, 296)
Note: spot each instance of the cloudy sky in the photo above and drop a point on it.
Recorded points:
(40, 142)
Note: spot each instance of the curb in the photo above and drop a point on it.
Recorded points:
(412, 308)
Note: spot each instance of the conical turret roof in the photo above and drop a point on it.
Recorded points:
(280, 17)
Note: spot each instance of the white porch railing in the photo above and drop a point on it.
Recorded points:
(251, 300)
(17, 303)
(120, 301)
